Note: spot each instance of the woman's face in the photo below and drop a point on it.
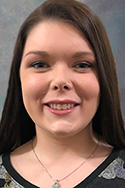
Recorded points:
(58, 73)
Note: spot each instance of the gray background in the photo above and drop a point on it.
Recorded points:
(13, 13)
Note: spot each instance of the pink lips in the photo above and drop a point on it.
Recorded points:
(62, 111)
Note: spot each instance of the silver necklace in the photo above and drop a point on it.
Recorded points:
(56, 181)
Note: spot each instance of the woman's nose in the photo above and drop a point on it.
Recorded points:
(61, 85)
(61, 81)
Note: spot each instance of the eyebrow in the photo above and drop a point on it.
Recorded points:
(41, 53)
(79, 54)
(76, 55)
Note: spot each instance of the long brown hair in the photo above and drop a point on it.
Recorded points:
(16, 127)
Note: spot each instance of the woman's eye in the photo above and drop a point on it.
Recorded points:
(83, 65)
(39, 65)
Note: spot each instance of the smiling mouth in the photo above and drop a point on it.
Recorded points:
(61, 106)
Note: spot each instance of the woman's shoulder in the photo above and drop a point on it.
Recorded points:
(5, 178)
(111, 173)
(115, 170)
(7, 173)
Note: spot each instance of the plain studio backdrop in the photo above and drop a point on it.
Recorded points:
(14, 12)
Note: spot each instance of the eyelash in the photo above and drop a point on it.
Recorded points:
(83, 65)
(39, 65)
(79, 66)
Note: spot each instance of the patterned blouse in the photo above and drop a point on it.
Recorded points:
(110, 174)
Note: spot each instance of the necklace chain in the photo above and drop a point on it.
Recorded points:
(56, 180)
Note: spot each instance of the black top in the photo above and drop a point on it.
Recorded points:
(110, 174)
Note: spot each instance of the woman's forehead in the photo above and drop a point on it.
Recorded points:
(47, 35)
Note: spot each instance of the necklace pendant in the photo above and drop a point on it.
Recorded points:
(56, 184)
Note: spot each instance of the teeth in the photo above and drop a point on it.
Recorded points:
(58, 106)
(61, 106)
(64, 106)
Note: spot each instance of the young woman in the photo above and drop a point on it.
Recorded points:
(62, 124)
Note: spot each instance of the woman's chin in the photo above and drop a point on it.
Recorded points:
(62, 129)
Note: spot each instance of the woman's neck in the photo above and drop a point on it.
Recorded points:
(50, 148)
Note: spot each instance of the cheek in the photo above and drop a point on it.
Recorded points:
(88, 87)
(33, 87)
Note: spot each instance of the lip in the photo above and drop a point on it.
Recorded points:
(59, 112)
